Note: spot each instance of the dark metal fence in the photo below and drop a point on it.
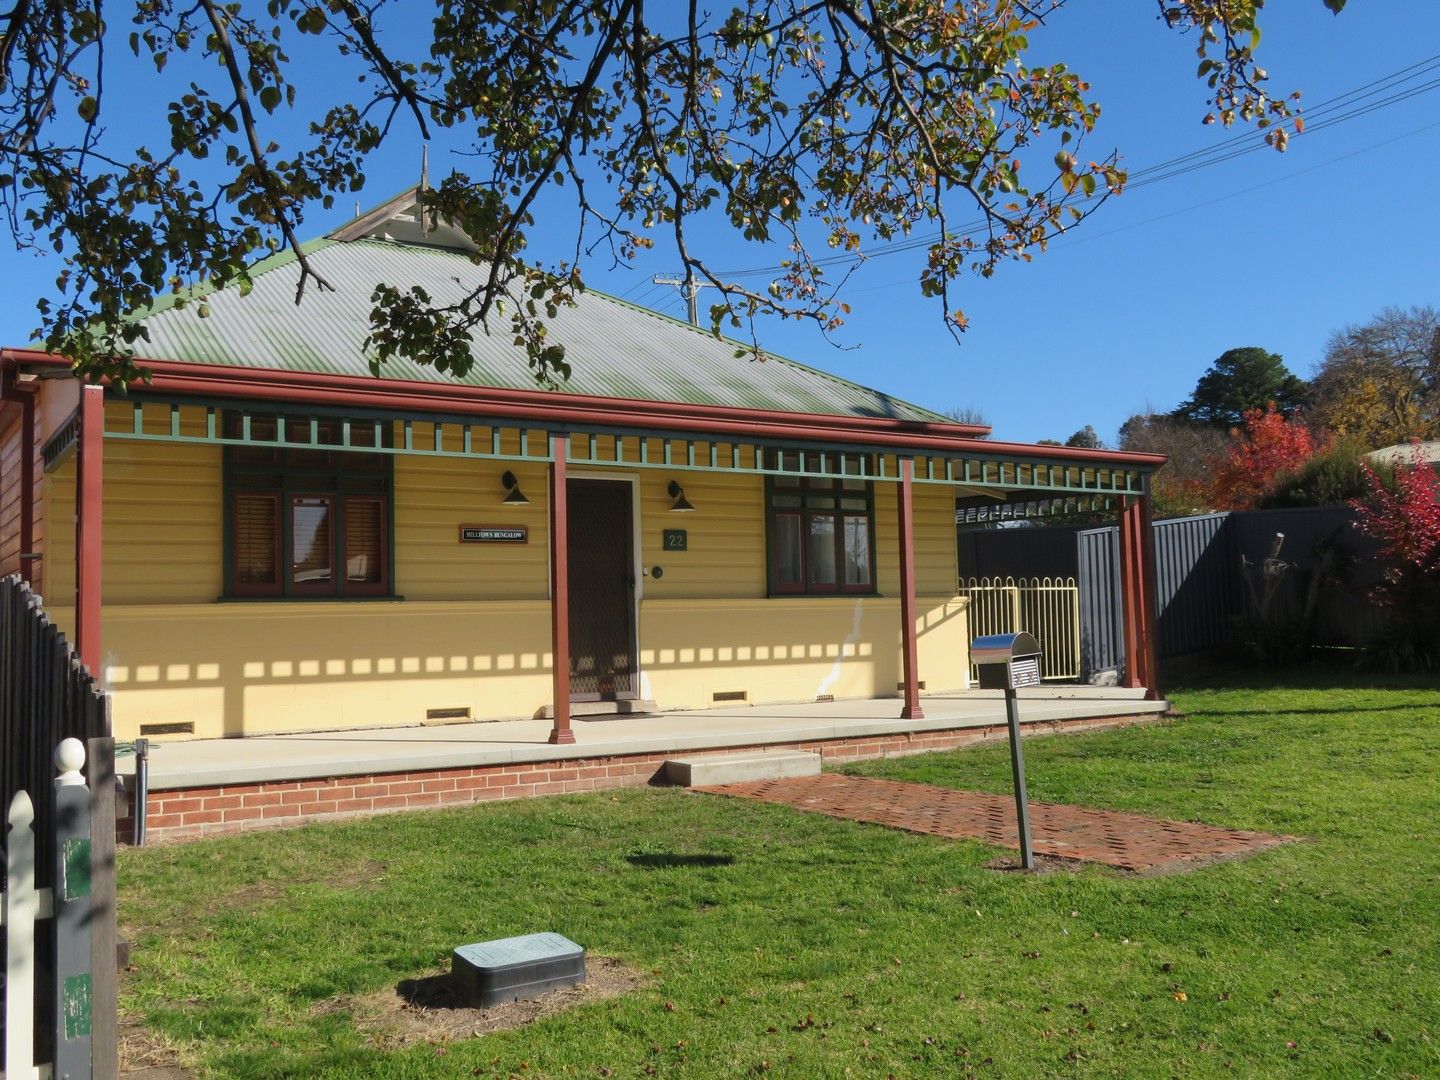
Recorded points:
(1200, 585)
(47, 696)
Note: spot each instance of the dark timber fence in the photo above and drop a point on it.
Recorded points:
(1200, 583)
(47, 696)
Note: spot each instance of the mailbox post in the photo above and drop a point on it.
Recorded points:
(1007, 662)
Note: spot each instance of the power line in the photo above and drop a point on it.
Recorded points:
(1317, 110)
(1208, 202)
(1317, 119)
(1309, 128)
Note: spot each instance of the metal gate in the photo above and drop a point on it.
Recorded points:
(1049, 608)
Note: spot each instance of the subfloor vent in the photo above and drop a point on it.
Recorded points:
(819, 698)
(730, 695)
(900, 686)
(182, 727)
(458, 715)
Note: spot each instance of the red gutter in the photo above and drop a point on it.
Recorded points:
(541, 408)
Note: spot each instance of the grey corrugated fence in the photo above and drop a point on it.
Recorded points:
(1199, 579)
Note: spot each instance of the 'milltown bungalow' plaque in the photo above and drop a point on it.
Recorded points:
(494, 534)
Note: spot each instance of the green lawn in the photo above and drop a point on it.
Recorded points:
(819, 948)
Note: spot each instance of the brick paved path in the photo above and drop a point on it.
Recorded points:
(1128, 841)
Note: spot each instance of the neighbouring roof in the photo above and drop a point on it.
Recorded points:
(1405, 453)
(616, 349)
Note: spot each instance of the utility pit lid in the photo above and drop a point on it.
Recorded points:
(509, 969)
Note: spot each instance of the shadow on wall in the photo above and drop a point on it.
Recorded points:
(230, 670)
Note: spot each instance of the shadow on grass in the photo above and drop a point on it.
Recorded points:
(431, 992)
(1339, 674)
(669, 860)
(1285, 710)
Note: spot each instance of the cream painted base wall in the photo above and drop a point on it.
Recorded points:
(248, 669)
(794, 649)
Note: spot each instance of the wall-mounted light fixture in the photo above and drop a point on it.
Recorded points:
(681, 505)
(514, 496)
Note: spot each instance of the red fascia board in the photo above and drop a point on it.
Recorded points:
(540, 408)
(444, 395)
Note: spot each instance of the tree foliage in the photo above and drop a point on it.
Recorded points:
(1333, 477)
(1181, 487)
(968, 414)
(1404, 518)
(1268, 448)
(1239, 381)
(1086, 439)
(822, 127)
(1379, 382)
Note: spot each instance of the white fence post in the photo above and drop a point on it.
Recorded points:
(22, 908)
(74, 990)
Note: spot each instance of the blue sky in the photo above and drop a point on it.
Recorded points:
(1269, 249)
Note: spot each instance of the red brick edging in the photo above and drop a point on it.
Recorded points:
(187, 813)
(1112, 837)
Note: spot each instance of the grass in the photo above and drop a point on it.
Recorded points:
(794, 945)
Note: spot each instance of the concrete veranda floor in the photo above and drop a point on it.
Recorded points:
(257, 758)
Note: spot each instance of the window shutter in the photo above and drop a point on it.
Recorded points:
(364, 543)
(257, 543)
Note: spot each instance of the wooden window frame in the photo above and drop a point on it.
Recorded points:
(286, 474)
(820, 488)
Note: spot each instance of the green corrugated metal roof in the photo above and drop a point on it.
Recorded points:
(615, 349)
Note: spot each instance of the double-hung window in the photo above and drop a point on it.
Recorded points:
(303, 522)
(821, 531)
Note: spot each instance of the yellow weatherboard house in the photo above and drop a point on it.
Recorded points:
(266, 538)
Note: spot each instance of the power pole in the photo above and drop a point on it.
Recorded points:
(689, 289)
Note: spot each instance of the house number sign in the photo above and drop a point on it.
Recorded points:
(676, 540)
(494, 534)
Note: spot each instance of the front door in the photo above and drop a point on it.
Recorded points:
(602, 590)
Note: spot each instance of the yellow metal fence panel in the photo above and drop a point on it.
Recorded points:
(1048, 608)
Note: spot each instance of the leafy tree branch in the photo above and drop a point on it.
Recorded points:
(820, 126)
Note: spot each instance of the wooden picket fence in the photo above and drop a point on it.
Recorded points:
(1049, 608)
(58, 906)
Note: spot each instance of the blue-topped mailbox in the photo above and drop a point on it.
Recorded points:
(1006, 661)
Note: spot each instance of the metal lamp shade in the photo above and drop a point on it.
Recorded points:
(681, 505)
(514, 496)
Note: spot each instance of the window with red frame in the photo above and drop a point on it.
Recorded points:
(820, 530)
(310, 521)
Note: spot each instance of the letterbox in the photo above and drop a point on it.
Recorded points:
(1006, 661)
